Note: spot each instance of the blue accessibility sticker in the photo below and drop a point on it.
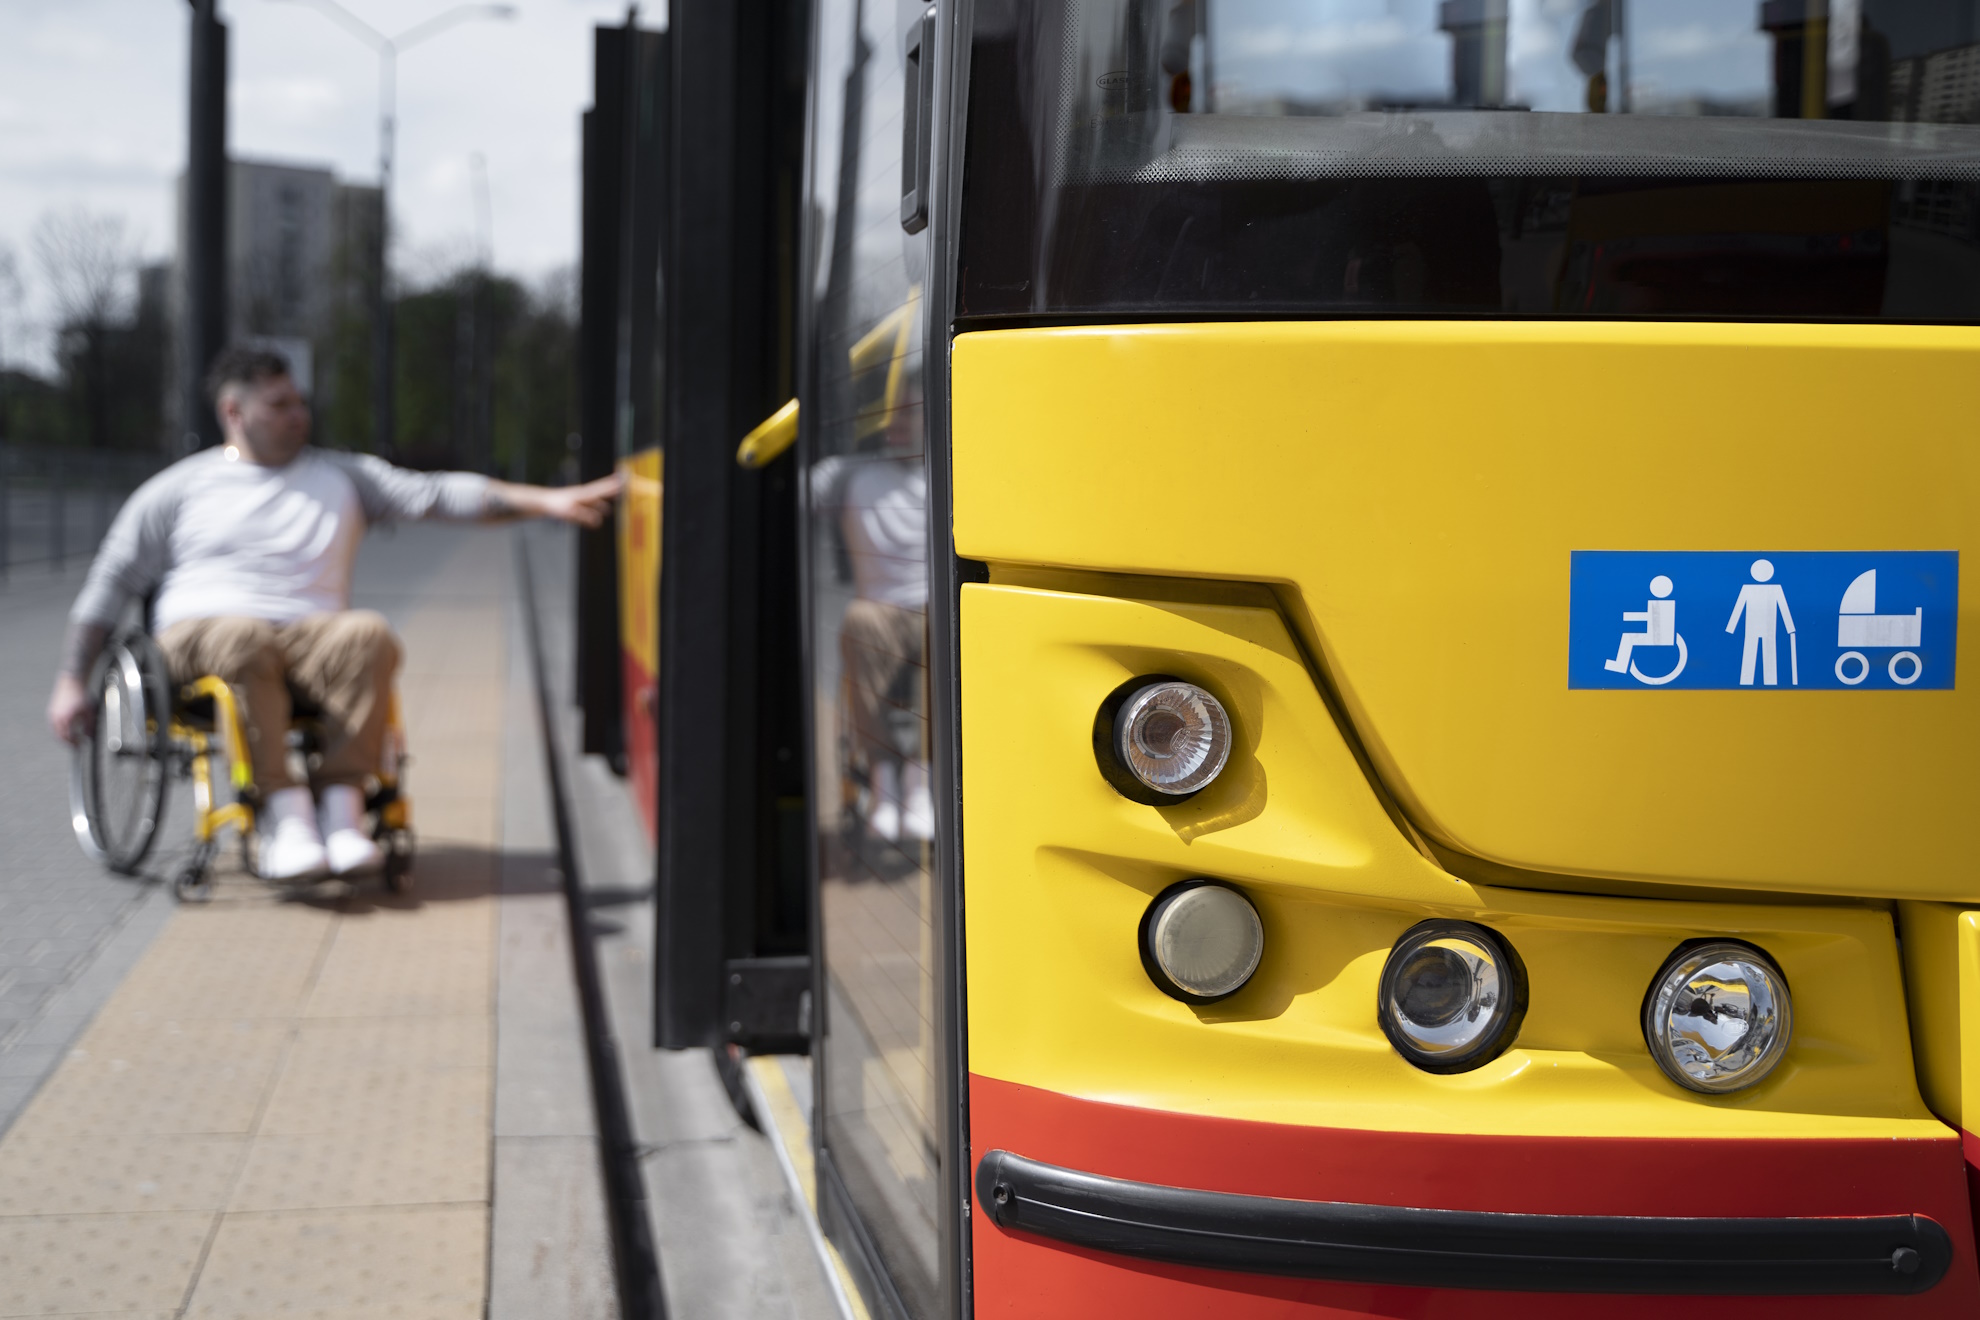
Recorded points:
(1763, 619)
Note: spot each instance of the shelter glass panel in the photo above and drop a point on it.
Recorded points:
(867, 555)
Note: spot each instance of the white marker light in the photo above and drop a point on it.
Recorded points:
(1718, 1017)
(1201, 941)
(1452, 996)
(1172, 736)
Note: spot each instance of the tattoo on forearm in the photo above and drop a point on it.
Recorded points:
(81, 647)
(498, 507)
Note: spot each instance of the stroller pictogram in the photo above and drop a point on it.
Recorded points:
(1859, 625)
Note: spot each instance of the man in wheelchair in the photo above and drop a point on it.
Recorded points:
(245, 553)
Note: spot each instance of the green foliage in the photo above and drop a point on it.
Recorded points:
(486, 377)
(108, 391)
(33, 411)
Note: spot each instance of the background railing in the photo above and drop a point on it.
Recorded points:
(56, 503)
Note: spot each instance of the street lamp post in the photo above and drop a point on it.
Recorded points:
(203, 251)
(387, 50)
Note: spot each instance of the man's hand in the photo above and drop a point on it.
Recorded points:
(69, 711)
(585, 505)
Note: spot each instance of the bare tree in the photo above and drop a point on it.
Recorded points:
(11, 296)
(88, 261)
(10, 319)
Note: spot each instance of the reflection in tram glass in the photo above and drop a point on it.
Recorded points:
(1536, 157)
(868, 614)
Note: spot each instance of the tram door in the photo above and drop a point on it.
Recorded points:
(879, 1054)
(731, 965)
(621, 353)
(693, 165)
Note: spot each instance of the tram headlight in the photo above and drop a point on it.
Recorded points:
(1201, 941)
(1172, 738)
(1718, 1017)
(1452, 996)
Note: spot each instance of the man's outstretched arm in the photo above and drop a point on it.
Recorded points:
(586, 505)
(390, 494)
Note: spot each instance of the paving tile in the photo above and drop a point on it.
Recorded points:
(271, 918)
(125, 1038)
(174, 1077)
(459, 766)
(448, 707)
(217, 979)
(118, 1174)
(451, 873)
(427, 1264)
(337, 1044)
(221, 1100)
(302, 1076)
(58, 909)
(97, 1264)
(376, 1162)
(457, 906)
(15, 1092)
(413, 982)
(409, 1100)
(446, 816)
(30, 1061)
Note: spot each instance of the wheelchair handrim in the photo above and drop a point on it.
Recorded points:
(120, 679)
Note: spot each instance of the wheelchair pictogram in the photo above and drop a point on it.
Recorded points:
(1659, 619)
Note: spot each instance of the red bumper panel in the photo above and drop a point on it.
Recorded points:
(642, 741)
(1020, 1273)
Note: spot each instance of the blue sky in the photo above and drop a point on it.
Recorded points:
(92, 113)
(1391, 49)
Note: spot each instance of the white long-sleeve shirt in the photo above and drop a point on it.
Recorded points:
(218, 536)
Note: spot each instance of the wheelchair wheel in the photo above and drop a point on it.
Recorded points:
(118, 772)
(398, 861)
(193, 882)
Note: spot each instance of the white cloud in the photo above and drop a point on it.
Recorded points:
(1354, 37)
(1689, 40)
(92, 112)
(287, 98)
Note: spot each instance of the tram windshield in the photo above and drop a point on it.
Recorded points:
(1810, 159)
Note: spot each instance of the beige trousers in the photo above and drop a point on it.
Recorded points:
(342, 664)
(878, 643)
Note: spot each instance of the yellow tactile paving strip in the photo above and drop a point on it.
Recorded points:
(285, 1110)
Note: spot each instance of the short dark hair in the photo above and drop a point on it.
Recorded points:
(242, 364)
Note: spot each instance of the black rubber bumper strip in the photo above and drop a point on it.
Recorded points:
(1464, 1248)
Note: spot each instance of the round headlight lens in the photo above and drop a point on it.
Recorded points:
(1201, 941)
(1718, 1017)
(1452, 995)
(1172, 736)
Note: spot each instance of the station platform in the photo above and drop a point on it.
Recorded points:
(338, 1102)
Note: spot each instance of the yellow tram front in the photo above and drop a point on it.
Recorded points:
(1386, 725)
(1423, 769)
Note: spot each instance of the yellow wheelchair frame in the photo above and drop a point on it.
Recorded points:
(147, 729)
(391, 806)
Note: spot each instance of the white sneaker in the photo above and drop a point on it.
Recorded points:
(917, 806)
(290, 845)
(342, 815)
(883, 817)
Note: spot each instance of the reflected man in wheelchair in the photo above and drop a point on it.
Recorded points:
(244, 554)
